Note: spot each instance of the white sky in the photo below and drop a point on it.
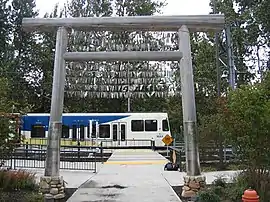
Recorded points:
(174, 7)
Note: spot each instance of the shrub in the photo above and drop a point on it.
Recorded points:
(219, 186)
(208, 196)
(17, 180)
(247, 179)
(220, 182)
(235, 190)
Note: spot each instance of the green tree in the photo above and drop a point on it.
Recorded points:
(5, 31)
(174, 110)
(7, 128)
(248, 125)
(259, 16)
(250, 33)
(246, 38)
(212, 130)
(25, 47)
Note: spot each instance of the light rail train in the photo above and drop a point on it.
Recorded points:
(90, 129)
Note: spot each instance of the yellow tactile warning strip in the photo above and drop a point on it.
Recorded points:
(134, 151)
(136, 162)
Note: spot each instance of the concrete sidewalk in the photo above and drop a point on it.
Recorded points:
(73, 178)
(175, 178)
(136, 157)
(129, 175)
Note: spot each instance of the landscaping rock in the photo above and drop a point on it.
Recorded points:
(52, 187)
(59, 196)
(193, 184)
(48, 196)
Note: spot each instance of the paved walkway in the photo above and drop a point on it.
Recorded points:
(176, 178)
(128, 175)
(73, 178)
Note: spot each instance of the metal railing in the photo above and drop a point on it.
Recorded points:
(71, 158)
(92, 142)
(127, 143)
(81, 157)
(209, 151)
(63, 142)
(208, 154)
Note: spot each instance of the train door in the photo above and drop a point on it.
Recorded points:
(93, 131)
(81, 132)
(119, 132)
(78, 131)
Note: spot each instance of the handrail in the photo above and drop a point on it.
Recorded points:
(44, 150)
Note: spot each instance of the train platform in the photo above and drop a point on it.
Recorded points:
(128, 175)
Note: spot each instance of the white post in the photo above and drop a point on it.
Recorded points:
(123, 56)
(128, 23)
(188, 104)
(55, 125)
(90, 129)
(189, 114)
(52, 165)
(97, 130)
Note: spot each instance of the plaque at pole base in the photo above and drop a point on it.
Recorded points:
(52, 188)
(192, 185)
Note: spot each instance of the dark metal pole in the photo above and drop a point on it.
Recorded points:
(230, 56)
(217, 65)
(128, 99)
(217, 52)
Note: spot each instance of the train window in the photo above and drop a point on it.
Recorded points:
(114, 132)
(20, 131)
(38, 131)
(104, 131)
(137, 125)
(74, 132)
(165, 125)
(81, 132)
(88, 131)
(94, 131)
(123, 132)
(65, 131)
(150, 125)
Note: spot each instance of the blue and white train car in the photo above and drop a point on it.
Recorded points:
(92, 128)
